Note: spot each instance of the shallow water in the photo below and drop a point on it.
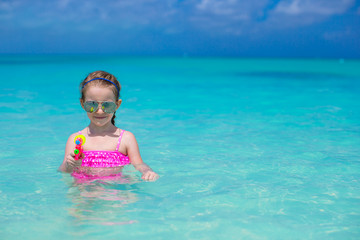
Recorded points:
(246, 149)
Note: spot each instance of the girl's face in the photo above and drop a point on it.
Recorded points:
(100, 94)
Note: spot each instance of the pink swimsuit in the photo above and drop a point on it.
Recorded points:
(102, 159)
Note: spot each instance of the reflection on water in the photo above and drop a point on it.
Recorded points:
(102, 201)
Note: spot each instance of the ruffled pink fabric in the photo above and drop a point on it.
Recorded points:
(97, 159)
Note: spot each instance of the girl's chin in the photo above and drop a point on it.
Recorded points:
(100, 122)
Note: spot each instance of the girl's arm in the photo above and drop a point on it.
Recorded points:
(134, 155)
(69, 162)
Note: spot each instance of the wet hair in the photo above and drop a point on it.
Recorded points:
(101, 83)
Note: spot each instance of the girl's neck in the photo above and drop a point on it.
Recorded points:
(96, 130)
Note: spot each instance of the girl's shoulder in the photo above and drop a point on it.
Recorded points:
(73, 135)
(128, 137)
(126, 134)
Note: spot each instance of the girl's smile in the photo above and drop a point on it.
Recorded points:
(99, 117)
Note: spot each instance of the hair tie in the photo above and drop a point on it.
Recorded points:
(101, 79)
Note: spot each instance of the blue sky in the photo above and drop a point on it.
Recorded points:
(254, 28)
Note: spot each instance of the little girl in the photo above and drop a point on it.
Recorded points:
(106, 148)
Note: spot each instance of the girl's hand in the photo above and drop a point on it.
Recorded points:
(150, 176)
(71, 163)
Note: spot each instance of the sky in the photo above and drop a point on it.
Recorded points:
(226, 28)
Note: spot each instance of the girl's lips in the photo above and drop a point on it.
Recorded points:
(99, 117)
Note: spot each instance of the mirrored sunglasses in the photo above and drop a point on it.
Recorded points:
(92, 106)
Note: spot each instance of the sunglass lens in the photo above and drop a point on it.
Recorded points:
(91, 106)
(108, 107)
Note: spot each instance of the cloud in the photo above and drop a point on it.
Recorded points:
(228, 17)
(291, 14)
(7, 10)
(316, 7)
(62, 4)
(167, 16)
(227, 7)
(9, 5)
(238, 17)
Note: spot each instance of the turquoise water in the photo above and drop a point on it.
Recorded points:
(246, 149)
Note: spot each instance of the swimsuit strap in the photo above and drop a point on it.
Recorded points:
(118, 145)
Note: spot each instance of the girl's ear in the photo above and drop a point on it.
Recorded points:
(118, 103)
(82, 102)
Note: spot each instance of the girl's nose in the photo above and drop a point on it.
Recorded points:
(100, 109)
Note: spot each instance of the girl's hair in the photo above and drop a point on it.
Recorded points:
(101, 83)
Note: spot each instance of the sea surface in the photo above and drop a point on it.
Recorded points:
(245, 149)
